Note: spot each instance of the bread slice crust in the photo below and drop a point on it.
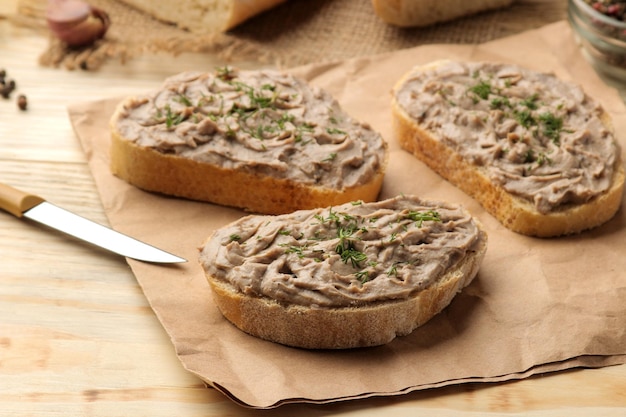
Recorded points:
(285, 279)
(263, 141)
(345, 327)
(514, 212)
(187, 178)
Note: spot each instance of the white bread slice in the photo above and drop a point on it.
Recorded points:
(309, 154)
(514, 212)
(271, 293)
(204, 16)
(409, 13)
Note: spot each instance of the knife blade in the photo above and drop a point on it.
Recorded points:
(25, 205)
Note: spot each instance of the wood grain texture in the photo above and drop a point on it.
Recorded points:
(77, 336)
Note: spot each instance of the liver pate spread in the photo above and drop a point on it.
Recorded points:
(538, 137)
(265, 122)
(346, 255)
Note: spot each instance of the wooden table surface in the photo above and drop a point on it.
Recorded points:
(77, 336)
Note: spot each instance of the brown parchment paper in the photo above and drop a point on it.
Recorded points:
(537, 305)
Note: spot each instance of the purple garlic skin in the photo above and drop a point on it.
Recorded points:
(76, 22)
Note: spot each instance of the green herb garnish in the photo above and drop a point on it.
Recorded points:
(552, 126)
(362, 276)
(330, 157)
(524, 118)
(181, 98)
(530, 102)
(482, 89)
(332, 131)
(421, 216)
(171, 118)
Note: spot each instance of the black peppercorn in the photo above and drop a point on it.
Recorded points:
(7, 89)
(22, 102)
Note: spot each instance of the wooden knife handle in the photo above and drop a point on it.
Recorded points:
(15, 201)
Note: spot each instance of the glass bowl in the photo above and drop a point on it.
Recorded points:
(602, 39)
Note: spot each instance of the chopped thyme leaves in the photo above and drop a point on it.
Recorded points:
(362, 276)
(284, 119)
(524, 118)
(298, 250)
(552, 126)
(347, 226)
(332, 217)
(481, 90)
(352, 255)
(181, 98)
(330, 157)
(529, 156)
(420, 217)
(172, 118)
(500, 103)
(542, 159)
(332, 131)
(531, 102)
(268, 87)
(225, 73)
(393, 270)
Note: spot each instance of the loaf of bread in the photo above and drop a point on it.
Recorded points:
(203, 16)
(264, 141)
(537, 152)
(354, 275)
(417, 13)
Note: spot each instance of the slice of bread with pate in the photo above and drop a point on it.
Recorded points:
(348, 276)
(264, 141)
(537, 152)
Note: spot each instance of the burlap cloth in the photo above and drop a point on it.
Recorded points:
(294, 33)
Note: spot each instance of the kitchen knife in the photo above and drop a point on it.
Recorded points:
(22, 204)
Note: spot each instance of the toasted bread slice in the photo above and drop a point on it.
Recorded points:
(263, 141)
(354, 275)
(536, 152)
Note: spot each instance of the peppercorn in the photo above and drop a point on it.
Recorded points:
(7, 89)
(22, 102)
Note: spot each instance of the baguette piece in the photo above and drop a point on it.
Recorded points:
(264, 141)
(418, 13)
(537, 152)
(341, 277)
(203, 16)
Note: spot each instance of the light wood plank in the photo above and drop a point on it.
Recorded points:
(77, 336)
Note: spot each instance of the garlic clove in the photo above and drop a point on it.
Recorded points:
(76, 22)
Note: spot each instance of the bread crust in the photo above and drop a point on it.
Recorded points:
(515, 213)
(347, 327)
(285, 278)
(278, 173)
(408, 13)
(204, 16)
(184, 177)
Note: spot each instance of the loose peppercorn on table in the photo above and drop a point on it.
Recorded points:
(79, 337)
